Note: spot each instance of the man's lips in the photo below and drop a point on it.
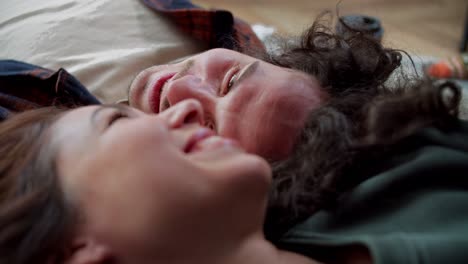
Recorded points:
(156, 87)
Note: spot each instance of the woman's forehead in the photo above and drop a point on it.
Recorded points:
(73, 127)
(78, 113)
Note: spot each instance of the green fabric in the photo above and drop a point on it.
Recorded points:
(414, 212)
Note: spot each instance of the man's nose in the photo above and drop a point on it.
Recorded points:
(185, 112)
(192, 87)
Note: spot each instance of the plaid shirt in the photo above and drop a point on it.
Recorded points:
(24, 86)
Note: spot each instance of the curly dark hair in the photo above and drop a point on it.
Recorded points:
(364, 119)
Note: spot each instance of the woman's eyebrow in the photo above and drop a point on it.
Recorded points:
(96, 113)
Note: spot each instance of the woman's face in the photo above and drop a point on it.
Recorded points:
(154, 181)
(261, 105)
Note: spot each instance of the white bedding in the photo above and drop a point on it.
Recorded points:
(104, 43)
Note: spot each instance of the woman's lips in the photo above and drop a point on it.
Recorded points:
(196, 137)
(156, 87)
(216, 143)
(206, 139)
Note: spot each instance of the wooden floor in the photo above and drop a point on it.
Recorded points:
(424, 27)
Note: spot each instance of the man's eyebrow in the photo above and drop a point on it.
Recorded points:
(247, 71)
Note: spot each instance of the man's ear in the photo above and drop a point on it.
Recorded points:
(85, 250)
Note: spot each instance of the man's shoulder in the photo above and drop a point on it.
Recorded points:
(415, 207)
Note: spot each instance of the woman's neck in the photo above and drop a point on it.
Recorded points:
(257, 249)
(253, 250)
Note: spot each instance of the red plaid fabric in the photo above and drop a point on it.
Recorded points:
(218, 28)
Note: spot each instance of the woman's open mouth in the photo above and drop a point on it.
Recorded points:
(200, 135)
(205, 139)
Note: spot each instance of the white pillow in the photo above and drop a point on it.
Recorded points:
(104, 43)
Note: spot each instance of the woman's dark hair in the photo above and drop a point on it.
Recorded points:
(364, 118)
(35, 219)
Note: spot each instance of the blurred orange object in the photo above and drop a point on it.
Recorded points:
(440, 70)
(456, 67)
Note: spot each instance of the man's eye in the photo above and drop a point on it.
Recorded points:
(233, 74)
(232, 81)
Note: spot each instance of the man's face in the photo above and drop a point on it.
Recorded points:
(261, 105)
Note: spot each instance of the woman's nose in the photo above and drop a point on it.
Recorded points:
(191, 87)
(185, 112)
